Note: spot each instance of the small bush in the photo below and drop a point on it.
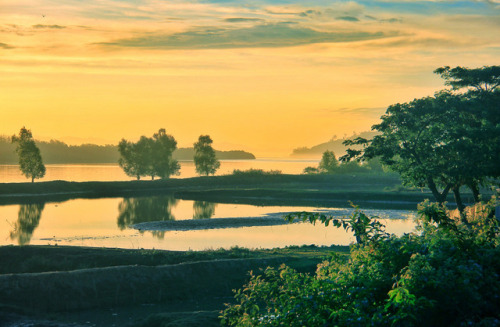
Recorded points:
(445, 275)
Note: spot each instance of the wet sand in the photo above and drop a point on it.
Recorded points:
(213, 223)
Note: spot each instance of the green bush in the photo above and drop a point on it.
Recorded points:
(445, 275)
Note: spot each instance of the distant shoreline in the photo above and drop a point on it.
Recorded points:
(57, 152)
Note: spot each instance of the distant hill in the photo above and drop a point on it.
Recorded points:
(57, 152)
(334, 145)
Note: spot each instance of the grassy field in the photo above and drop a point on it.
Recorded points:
(305, 190)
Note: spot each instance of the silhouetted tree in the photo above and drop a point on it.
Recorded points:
(480, 79)
(149, 156)
(134, 157)
(30, 159)
(203, 209)
(204, 156)
(442, 142)
(28, 219)
(328, 163)
(162, 163)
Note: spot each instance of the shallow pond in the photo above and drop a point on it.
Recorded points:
(108, 223)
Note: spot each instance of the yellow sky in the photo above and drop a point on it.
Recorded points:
(262, 76)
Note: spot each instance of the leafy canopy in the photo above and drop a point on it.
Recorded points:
(30, 159)
(445, 141)
(204, 156)
(149, 156)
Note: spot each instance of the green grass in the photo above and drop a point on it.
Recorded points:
(369, 190)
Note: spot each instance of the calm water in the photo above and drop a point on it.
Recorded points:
(113, 172)
(106, 223)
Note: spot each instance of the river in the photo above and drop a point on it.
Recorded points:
(113, 172)
(108, 222)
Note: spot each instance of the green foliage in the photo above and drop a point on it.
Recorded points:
(204, 156)
(439, 277)
(365, 229)
(442, 142)
(162, 148)
(481, 79)
(149, 156)
(328, 163)
(30, 159)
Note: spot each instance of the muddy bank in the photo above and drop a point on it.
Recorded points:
(126, 285)
(213, 223)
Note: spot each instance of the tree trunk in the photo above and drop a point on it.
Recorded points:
(32, 179)
(460, 205)
(439, 196)
(475, 191)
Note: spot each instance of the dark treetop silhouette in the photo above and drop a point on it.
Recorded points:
(446, 141)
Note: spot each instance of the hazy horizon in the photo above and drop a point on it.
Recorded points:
(263, 76)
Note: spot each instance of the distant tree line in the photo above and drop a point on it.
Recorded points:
(57, 152)
(150, 156)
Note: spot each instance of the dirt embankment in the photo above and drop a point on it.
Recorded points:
(125, 285)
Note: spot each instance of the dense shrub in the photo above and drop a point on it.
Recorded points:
(446, 274)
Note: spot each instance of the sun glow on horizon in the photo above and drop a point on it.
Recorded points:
(266, 77)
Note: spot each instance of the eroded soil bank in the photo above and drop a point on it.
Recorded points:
(72, 286)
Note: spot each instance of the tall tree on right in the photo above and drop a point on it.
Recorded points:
(204, 156)
(442, 142)
(30, 159)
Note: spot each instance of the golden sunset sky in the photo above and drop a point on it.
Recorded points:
(263, 76)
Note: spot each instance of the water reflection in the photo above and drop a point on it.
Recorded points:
(203, 209)
(28, 219)
(138, 210)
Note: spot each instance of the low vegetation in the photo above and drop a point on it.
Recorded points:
(329, 165)
(255, 172)
(444, 275)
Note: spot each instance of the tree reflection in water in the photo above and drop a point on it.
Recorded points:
(145, 209)
(203, 209)
(28, 219)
